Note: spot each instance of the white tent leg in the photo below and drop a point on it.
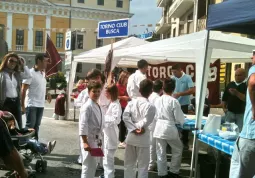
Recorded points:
(70, 87)
(201, 85)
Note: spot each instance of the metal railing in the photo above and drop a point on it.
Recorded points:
(19, 47)
(38, 48)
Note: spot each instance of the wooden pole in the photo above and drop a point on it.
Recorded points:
(112, 43)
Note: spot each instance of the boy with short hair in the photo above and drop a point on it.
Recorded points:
(157, 92)
(137, 116)
(169, 113)
(91, 124)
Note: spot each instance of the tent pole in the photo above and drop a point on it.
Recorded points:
(200, 104)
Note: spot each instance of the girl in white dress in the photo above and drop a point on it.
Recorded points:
(111, 130)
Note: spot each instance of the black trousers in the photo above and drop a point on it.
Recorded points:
(13, 106)
(185, 133)
(122, 129)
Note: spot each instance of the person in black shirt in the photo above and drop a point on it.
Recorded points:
(233, 100)
(8, 152)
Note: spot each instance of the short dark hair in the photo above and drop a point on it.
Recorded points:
(142, 63)
(157, 86)
(40, 56)
(177, 67)
(94, 85)
(112, 89)
(169, 85)
(146, 87)
(94, 73)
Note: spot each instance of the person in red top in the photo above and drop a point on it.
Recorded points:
(59, 112)
(124, 98)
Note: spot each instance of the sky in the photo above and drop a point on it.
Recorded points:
(145, 12)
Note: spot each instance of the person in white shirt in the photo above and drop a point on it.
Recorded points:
(169, 113)
(157, 91)
(93, 75)
(137, 116)
(111, 130)
(12, 71)
(96, 76)
(135, 79)
(91, 125)
(34, 91)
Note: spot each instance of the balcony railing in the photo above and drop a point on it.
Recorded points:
(162, 25)
(19, 47)
(179, 7)
(39, 49)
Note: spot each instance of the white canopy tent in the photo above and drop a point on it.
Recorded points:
(200, 48)
(98, 55)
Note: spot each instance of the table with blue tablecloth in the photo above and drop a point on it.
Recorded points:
(189, 124)
(226, 146)
(220, 144)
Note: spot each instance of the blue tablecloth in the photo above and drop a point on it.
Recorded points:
(189, 124)
(217, 142)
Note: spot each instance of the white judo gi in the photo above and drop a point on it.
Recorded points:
(103, 102)
(111, 137)
(138, 114)
(169, 114)
(133, 84)
(153, 156)
(91, 123)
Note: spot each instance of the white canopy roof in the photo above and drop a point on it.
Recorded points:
(98, 55)
(228, 48)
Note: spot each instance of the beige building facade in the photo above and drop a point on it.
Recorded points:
(26, 23)
(177, 19)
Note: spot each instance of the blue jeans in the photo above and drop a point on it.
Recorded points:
(34, 117)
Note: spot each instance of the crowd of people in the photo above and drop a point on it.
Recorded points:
(132, 112)
(124, 112)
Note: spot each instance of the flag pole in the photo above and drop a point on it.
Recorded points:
(112, 43)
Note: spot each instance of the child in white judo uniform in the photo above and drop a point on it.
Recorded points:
(157, 91)
(137, 116)
(169, 114)
(91, 124)
(111, 130)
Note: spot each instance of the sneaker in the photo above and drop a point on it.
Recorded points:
(152, 168)
(53, 144)
(122, 145)
(49, 147)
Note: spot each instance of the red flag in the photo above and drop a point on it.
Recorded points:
(54, 58)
